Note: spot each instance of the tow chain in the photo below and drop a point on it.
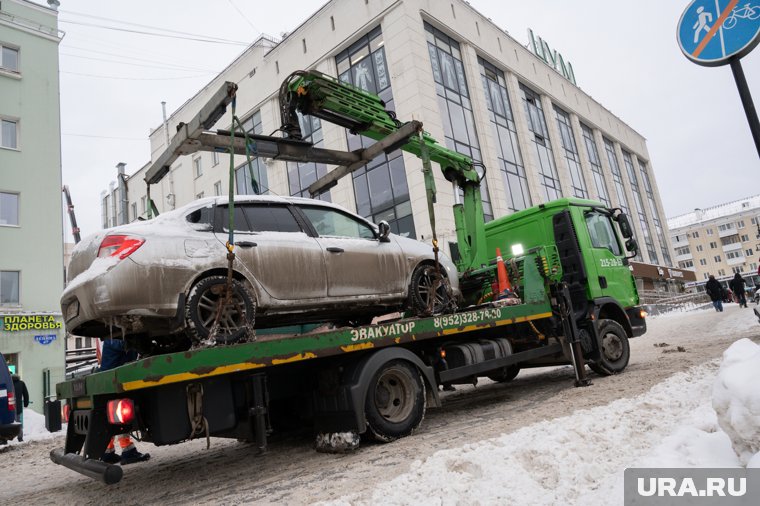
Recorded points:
(198, 422)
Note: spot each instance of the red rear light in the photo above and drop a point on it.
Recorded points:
(11, 402)
(66, 412)
(120, 246)
(121, 411)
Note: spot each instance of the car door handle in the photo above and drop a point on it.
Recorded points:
(246, 244)
(335, 250)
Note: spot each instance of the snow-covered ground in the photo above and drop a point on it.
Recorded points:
(34, 428)
(704, 417)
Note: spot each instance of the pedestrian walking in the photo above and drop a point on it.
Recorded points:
(715, 290)
(738, 286)
(22, 401)
(113, 355)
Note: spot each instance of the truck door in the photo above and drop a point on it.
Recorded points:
(609, 276)
(271, 245)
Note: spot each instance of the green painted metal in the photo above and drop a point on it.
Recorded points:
(267, 353)
(325, 97)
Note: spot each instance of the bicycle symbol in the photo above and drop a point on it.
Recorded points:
(746, 12)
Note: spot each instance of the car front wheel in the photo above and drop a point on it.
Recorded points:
(206, 307)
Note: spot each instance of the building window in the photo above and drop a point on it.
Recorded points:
(731, 239)
(640, 209)
(682, 251)
(537, 125)
(716, 258)
(721, 272)
(753, 266)
(8, 133)
(9, 209)
(655, 214)
(745, 237)
(302, 174)
(737, 270)
(748, 252)
(699, 247)
(503, 122)
(218, 188)
(725, 227)
(572, 158)
(454, 102)
(617, 176)
(740, 224)
(134, 210)
(200, 195)
(9, 287)
(197, 167)
(695, 235)
(214, 158)
(713, 244)
(702, 261)
(596, 165)
(252, 179)
(709, 231)
(687, 264)
(731, 255)
(144, 204)
(9, 58)
(380, 187)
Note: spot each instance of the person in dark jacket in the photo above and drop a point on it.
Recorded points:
(114, 354)
(737, 285)
(22, 401)
(716, 293)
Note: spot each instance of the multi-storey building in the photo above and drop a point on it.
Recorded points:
(31, 229)
(720, 240)
(474, 87)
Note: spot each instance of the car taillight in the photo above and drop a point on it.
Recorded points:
(120, 246)
(11, 402)
(120, 411)
(66, 412)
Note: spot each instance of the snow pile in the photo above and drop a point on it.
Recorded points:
(736, 398)
(34, 428)
(578, 458)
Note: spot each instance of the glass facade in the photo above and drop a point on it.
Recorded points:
(242, 173)
(572, 158)
(655, 215)
(638, 201)
(380, 187)
(454, 101)
(503, 122)
(547, 170)
(302, 174)
(596, 165)
(617, 176)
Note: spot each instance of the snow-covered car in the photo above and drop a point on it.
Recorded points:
(297, 261)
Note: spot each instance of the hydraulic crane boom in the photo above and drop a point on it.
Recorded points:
(323, 96)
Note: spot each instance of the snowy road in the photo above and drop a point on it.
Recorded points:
(509, 415)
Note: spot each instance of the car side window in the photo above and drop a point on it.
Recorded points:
(223, 219)
(332, 223)
(271, 218)
(602, 233)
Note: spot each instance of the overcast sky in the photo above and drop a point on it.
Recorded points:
(624, 54)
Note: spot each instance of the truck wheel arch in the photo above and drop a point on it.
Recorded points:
(607, 308)
(359, 375)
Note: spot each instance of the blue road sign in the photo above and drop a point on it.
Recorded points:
(712, 32)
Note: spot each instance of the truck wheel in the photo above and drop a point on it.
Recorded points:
(614, 350)
(237, 316)
(396, 402)
(505, 374)
(421, 291)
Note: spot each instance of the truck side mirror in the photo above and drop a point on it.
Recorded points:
(632, 246)
(383, 230)
(625, 226)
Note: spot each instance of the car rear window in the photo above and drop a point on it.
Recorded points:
(271, 218)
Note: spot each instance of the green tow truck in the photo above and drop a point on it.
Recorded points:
(573, 300)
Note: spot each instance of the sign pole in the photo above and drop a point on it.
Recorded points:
(749, 106)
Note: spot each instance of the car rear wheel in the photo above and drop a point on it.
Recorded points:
(235, 318)
(429, 291)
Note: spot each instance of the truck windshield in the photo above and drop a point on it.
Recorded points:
(602, 232)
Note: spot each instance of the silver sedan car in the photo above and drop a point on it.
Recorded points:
(162, 283)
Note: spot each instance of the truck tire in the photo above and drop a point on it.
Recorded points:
(505, 374)
(421, 291)
(395, 403)
(236, 319)
(614, 349)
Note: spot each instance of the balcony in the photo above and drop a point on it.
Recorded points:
(727, 232)
(683, 258)
(735, 261)
(732, 247)
(681, 242)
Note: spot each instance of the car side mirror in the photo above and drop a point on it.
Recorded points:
(383, 230)
(625, 226)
